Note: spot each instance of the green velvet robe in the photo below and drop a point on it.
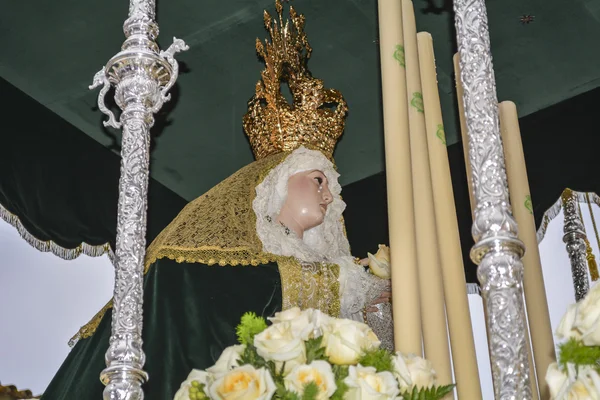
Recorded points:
(190, 315)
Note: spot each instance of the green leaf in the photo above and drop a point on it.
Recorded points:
(340, 372)
(574, 351)
(250, 326)
(250, 356)
(314, 351)
(432, 393)
(381, 359)
(311, 390)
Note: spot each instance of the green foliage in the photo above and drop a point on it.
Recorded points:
(250, 326)
(381, 359)
(196, 391)
(250, 356)
(432, 393)
(340, 372)
(314, 351)
(311, 390)
(574, 351)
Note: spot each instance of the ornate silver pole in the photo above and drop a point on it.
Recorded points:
(142, 77)
(497, 250)
(574, 239)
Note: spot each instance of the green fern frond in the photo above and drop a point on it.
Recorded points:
(381, 359)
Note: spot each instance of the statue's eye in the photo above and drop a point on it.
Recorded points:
(319, 180)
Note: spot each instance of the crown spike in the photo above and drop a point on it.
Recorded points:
(272, 124)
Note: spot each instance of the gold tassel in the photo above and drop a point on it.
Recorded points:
(591, 259)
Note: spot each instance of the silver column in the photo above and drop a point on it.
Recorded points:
(497, 250)
(574, 239)
(142, 76)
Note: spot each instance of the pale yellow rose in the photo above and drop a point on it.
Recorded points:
(587, 320)
(365, 383)
(574, 384)
(281, 344)
(565, 328)
(411, 370)
(379, 264)
(301, 323)
(243, 383)
(345, 340)
(228, 360)
(193, 381)
(319, 372)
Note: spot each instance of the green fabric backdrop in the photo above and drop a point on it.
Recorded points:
(61, 184)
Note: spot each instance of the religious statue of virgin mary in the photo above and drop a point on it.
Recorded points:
(268, 238)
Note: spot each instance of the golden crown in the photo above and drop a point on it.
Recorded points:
(316, 117)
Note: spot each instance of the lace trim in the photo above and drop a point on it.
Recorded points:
(555, 209)
(51, 246)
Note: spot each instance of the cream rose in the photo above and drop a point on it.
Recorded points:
(345, 340)
(301, 323)
(243, 383)
(318, 372)
(565, 328)
(228, 360)
(365, 383)
(280, 344)
(411, 370)
(573, 384)
(190, 388)
(379, 264)
(587, 319)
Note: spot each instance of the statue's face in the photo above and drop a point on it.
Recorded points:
(307, 198)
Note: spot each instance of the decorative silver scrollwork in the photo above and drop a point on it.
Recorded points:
(497, 249)
(574, 239)
(142, 77)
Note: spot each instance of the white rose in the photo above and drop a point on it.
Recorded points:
(243, 383)
(279, 343)
(228, 360)
(318, 372)
(565, 329)
(320, 322)
(365, 383)
(189, 389)
(576, 384)
(301, 321)
(379, 264)
(345, 341)
(411, 370)
(587, 320)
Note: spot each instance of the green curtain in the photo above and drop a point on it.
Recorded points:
(60, 183)
(190, 315)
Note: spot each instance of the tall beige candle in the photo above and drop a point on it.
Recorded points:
(533, 282)
(463, 129)
(433, 314)
(455, 288)
(405, 298)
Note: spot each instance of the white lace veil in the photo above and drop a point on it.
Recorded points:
(326, 242)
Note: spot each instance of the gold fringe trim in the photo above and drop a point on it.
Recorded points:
(11, 392)
(50, 246)
(554, 210)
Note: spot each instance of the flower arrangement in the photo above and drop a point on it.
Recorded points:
(576, 374)
(307, 355)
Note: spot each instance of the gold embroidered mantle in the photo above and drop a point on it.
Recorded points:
(219, 227)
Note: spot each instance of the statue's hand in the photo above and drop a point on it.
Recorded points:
(384, 297)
